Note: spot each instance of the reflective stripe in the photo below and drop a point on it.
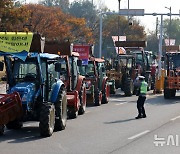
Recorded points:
(143, 89)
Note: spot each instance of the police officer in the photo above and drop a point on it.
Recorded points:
(142, 90)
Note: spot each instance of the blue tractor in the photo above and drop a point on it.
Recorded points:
(42, 93)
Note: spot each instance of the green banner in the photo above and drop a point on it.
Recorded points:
(15, 42)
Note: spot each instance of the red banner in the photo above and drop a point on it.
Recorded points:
(83, 51)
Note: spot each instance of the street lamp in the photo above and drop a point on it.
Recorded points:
(169, 8)
(119, 22)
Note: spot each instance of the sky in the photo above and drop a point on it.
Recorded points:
(150, 6)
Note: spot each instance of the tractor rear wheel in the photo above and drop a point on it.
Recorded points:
(98, 97)
(106, 92)
(82, 98)
(128, 88)
(61, 111)
(72, 113)
(16, 124)
(47, 120)
(1, 129)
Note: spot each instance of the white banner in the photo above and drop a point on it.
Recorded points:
(170, 42)
(121, 49)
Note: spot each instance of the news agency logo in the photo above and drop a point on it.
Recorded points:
(171, 140)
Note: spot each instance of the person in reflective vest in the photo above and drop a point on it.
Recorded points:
(142, 90)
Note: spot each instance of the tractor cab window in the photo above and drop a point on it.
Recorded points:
(129, 63)
(25, 71)
(175, 61)
(87, 70)
(64, 70)
(52, 74)
(139, 58)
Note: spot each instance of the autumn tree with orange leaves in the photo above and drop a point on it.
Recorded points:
(51, 22)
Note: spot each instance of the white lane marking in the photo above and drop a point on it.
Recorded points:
(27, 125)
(118, 100)
(137, 135)
(175, 118)
(87, 111)
(121, 103)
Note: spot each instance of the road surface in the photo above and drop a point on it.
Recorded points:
(109, 128)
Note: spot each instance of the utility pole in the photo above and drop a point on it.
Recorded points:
(157, 26)
(119, 22)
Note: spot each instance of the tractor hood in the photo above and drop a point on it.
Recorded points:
(26, 91)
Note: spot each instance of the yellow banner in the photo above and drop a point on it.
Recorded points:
(15, 42)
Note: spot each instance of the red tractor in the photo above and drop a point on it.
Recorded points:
(74, 82)
(98, 90)
(95, 75)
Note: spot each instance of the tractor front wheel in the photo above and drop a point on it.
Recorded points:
(16, 124)
(61, 111)
(106, 93)
(82, 98)
(47, 120)
(129, 87)
(1, 129)
(167, 93)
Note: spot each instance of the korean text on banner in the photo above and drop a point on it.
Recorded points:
(83, 51)
(15, 42)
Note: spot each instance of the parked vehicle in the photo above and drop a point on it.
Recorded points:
(172, 79)
(74, 82)
(136, 48)
(123, 73)
(96, 81)
(35, 77)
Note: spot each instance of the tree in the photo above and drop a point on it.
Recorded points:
(63, 4)
(85, 9)
(110, 28)
(54, 24)
(152, 42)
(174, 30)
(11, 17)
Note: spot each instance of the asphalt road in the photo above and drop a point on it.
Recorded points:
(109, 128)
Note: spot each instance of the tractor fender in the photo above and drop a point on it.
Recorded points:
(104, 82)
(79, 83)
(55, 91)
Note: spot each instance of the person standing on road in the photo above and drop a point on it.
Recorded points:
(142, 90)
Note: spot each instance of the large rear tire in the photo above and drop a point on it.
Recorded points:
(128, 88)
(98, 98)
(61, 111)
(47, 120)
(82, 98)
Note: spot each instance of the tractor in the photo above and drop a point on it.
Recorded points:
(172, 65)
(34, 77)
(123, 73)
(96, 81)
(68, 65)
(136, 48)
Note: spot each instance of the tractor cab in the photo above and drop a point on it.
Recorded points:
(172, 65)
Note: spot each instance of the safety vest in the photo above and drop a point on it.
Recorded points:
(143, 89)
